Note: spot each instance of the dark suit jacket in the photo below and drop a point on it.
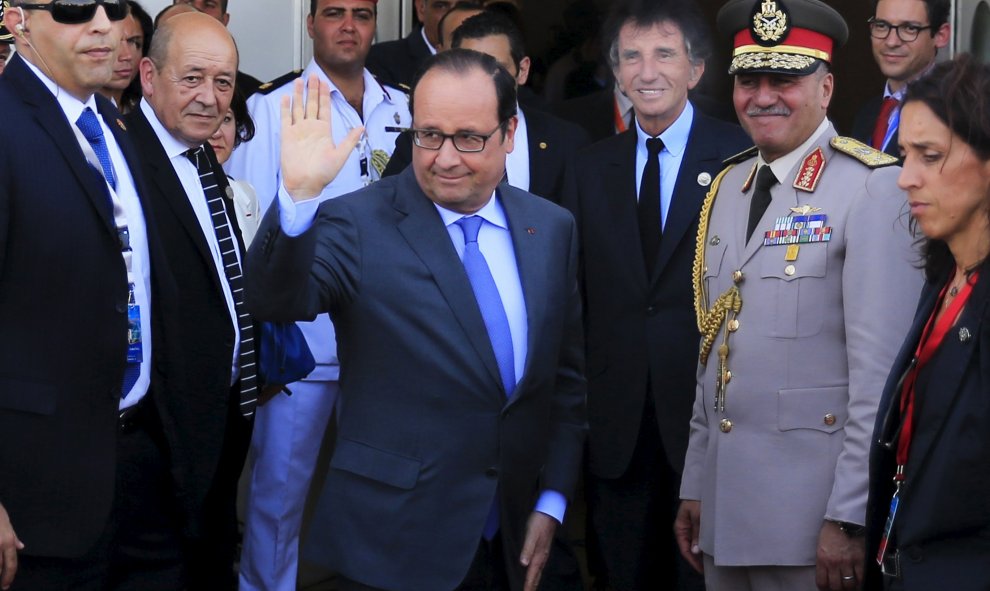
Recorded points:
(640, 328)
(943, 523)
(866, 120)
(397, 62)
(552, 144)
(196, 404)
(63, 321)
(426, 436)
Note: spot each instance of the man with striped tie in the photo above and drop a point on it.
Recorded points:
(188, 81)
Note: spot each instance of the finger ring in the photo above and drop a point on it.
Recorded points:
(849, 578)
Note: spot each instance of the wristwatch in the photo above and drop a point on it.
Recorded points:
(853, 530)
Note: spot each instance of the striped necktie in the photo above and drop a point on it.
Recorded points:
(232, 270)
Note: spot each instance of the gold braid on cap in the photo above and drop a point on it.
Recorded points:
(710, 320)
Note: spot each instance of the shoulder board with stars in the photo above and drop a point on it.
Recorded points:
(810, 171)
(860, 151)
(279, 82)
(741, 156)
(386, 85)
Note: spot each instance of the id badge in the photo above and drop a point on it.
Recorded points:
(888, 527)
(134, 350)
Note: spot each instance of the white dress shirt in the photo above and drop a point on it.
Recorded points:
(126, 195)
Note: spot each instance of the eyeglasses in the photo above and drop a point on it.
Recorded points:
(906, 32)
(431, 139)
(75, 12)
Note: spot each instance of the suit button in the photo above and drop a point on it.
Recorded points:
(829, 419)
(733, 325)
(492, 472)
(651, 311)
(725, 426)
(737, 276)
(789, 270)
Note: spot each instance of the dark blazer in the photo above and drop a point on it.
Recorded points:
(397, 62)
(197, 402)
(865, 122)
(427, 438)
(552, 143)
(63, 321)
(942, 526)
(640, 328)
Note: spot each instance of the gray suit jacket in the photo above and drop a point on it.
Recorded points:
(815, 341)
(426, 435)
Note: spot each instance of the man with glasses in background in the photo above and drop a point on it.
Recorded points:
(83, 291)
(906, 36)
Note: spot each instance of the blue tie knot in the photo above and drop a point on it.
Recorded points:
(470, 225)
(90, 126)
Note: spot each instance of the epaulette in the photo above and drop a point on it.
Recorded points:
(741, 156)
(279, 82)
(403, 88)
(860, 151)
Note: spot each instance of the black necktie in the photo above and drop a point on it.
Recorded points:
(232, 270)
(761, 198)
(649, 204)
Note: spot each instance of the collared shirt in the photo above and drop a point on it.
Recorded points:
(517, 161)
(495, 242)
(126, 194)
(894, 120)
(783, 166)
(189, 178)
(675, 139)
(625, 107)
(422, 32)
(258, 163)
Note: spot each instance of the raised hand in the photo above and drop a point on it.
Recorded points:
(310, 159)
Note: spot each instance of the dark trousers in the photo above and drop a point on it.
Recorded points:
(633, 518)
(146, 552)
(210, 558)
(486, 573)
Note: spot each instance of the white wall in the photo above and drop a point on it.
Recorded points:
(271, 34)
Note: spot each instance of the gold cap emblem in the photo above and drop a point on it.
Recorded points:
(770, 23)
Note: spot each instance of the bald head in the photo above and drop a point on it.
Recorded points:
(188, 76)
(173, 10)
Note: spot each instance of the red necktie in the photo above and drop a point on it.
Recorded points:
(883, 120)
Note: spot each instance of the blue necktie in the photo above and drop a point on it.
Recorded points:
(489, 301)
(90, 127)
(496, 322)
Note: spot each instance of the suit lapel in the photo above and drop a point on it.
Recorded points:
(950, 366)
(619, 180)
(542, 154)
(426, 235)
(52, 119)
(531, 259)
(166, 184)
(688, 196)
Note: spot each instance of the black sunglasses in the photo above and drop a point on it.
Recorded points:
(75, 12)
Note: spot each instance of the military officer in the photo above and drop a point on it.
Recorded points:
(803, 283)
(289, 429)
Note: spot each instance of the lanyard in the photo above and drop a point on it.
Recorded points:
(930, 340)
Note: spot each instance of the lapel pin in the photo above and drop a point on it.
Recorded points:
(964, 334)
(229, 192)
(396, 118)
(121, 125)
(704, 179)
(714, 241)
(543, 145)
(531, 231)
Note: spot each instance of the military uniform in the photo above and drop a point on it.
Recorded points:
(800, 324)
(288, 430)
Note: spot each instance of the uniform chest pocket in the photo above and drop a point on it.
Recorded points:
(796, 290)
(714, 254)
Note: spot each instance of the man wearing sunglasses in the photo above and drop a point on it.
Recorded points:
(83, 289)
(906, 36)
